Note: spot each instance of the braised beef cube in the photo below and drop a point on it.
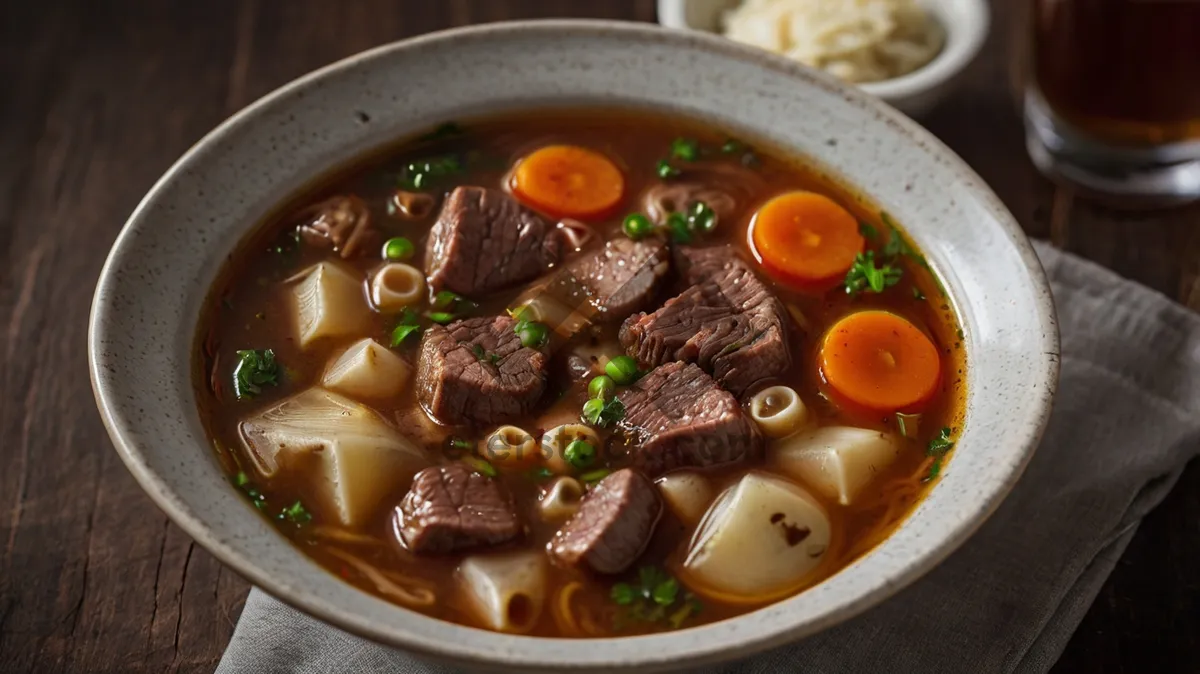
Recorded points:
(613, 525)
(451, 508)
(484, 240)
(678, 417)
(620, 278)
(727, 321)
(476, 371)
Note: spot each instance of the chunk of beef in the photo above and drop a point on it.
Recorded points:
(617, 280)
(727, 321)
(484, 240)
(678, 417)
(452, 508)
(613, 525)
(476, 371)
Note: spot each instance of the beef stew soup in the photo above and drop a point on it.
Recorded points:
(581, 374)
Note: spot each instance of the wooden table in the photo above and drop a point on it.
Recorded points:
(96, 101)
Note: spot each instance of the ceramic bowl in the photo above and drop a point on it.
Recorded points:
(965, 22)
(144, 316)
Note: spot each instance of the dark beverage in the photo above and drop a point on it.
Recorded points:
(1123, 71)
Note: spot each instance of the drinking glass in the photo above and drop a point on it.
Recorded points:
(1112, 96)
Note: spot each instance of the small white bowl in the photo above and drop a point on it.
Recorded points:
(966, 24)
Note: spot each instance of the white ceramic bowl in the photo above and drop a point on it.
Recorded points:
(144, 317)
(965, 21)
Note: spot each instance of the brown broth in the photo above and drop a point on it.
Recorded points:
(247, 311)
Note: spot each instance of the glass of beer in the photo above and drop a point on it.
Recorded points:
(1112, 96)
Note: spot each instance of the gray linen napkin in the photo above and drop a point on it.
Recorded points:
(1126, 420)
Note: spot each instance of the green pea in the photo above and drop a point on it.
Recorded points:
(592, 410)
(398, 248)
(601, 387)
(622, 369)
(636, 226)
(580, 453)
(533, 335)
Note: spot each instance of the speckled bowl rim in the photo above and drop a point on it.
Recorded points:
(721, 641)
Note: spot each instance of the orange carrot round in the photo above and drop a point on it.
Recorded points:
(568, 181)
(805, 238)
(878, 360)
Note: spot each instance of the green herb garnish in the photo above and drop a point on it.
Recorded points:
(865, 276)
(664, 169)
(918, 295)
(296, 514)
(938, 447)
(541, 473)
(593, 476)
(481, 466)
(255, 369)
(440, 317)
(685, 149)
(405, 327)
(444, 299)
(650, 598)
(603, 413)
(421, 174)
(868, 230)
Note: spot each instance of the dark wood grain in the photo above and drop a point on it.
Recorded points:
(99, 98)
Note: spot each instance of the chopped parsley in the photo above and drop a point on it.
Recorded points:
(865, 276)
(423, 173)
(481, 466)
(677, 226)
(593, 476)
(483, 356)
(656, 597)
(938, 447)
(685, 149)
(444, 299)
(296, 514)
(701, 217)
(406, 326)
(664, 170)
(868, 230)
(603, 413)
(440, 317)
(255, 369)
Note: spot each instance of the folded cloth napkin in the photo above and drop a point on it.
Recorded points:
(1126, 420)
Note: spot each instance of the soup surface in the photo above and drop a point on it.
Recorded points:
(581, 374)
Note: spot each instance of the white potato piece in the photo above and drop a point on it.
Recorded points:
(555, 441)
(354, 459)
(395, 286)
(560, 499)
(367, 369)
(329, 302)
(508, 590)
(760, 540)
(836, 461)
(688, 495)
(778, 411)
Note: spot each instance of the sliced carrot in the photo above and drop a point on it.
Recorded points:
(805, 238)
(880, 361)
(569, 181)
